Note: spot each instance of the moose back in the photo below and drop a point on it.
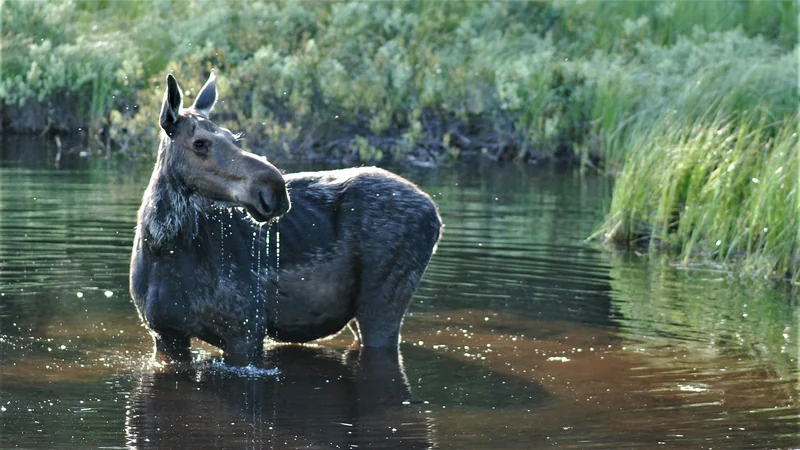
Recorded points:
(212, 261)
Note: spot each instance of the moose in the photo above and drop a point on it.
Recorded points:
(230, 251)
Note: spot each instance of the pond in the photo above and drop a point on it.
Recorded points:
(522, 334)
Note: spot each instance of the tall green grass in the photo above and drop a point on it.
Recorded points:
(702, 77)
(726, 191)
(704, 141)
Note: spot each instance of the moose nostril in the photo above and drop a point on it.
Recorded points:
(266, 203)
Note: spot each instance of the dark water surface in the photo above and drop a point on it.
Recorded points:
(521, 336)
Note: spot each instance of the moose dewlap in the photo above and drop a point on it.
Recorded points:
(211, 261)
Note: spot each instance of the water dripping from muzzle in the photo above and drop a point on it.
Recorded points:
(266, 276)
(258, 273)
(277, 270)
(221, 242)
(257, 268)
(277, 252)
(230, 257)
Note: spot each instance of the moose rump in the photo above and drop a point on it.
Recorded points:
(211, 260)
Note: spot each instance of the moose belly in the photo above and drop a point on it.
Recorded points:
(313, 302)
(306, 328)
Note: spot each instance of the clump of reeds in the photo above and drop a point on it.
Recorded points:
(724, 189)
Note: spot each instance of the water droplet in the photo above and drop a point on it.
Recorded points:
(221, 240)
(277, 267)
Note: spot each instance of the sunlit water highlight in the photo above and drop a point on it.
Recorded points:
(521, 336)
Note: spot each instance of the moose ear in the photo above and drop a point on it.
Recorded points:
(171, 106)
(205, 100)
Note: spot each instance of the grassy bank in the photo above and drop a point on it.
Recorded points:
(664, 94)
(710, 165)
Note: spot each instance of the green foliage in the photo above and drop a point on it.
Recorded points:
(705, 134)
(618, 26)
(87, 73)
(665, 92)
(700, 78)
(423, 81)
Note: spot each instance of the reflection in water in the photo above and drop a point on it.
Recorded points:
(322, 398)
(521, 335)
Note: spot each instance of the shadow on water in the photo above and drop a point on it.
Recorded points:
(521, 336)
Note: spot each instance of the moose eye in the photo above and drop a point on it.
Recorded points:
(200, 147)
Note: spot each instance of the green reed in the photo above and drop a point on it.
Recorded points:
(724, 189)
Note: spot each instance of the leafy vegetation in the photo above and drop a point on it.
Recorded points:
(414, 80)
(662, 93)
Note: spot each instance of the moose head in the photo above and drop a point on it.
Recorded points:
(207, 160)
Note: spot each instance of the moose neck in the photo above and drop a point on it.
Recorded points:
(169, 212)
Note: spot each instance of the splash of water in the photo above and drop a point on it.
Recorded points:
(257, 271)
(273, 427)
(277, 255)
(248, 371)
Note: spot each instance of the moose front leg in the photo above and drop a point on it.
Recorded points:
(172, 346)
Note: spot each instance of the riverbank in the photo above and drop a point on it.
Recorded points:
(618, 86)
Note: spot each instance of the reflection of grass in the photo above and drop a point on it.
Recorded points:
(708, 312)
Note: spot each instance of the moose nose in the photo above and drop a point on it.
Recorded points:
(275, 202)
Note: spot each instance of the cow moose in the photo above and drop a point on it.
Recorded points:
(229, 250)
